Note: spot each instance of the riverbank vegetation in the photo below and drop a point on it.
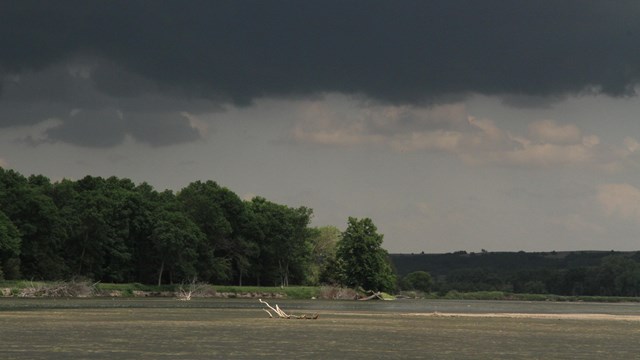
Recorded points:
(570, 274)
(113, 231)
(84, 288)
(70, 289)
(110, 230)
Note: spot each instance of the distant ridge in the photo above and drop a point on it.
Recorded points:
(500, 262)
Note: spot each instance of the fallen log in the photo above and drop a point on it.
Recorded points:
(376, 295)
(282, 315)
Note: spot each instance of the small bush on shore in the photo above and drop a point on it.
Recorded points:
(337, 293)
(58, 289)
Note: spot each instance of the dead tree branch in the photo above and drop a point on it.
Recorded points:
(282, 315)
(376, 295)
(194, 289)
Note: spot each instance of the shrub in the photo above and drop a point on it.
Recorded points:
(337, 293)
(419, 280)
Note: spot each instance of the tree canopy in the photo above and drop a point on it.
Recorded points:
(363, 261)
(112, 230)
(571, 273)
(418, 280)
(9, 247)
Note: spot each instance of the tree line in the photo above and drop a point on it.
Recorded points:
(576, 273)
(113, 230)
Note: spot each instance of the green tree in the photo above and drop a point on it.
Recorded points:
(112, 230)
(9, 249)
(618, 276)
(27, 203)
(148, 202)
(323, 241)
(282, 236)
(417, 280)
(100, 213)
(176, 240)
(237, 246)
(200, 201)
(365, 263)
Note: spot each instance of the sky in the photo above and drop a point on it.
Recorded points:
(454, 125)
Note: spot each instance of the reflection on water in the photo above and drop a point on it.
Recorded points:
(399, 306)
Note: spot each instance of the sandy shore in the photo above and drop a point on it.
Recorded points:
(533, 316)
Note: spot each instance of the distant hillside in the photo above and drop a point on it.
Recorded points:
(594, 273)
(502, 263)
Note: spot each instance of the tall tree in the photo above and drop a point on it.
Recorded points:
(618, 276)
(237, 246)
(283, 241)
(104, 219)
(417, 280)
(176, 240)
(30, 208)
(9, 249)
(365, 263)
(201, 202)
(145, 260)
(323, 241)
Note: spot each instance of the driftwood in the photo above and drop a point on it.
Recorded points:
(377, 296)
(194, 289)
(59, 289)
(282, 315)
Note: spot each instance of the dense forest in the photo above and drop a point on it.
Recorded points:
(112, 230)
(596, 273)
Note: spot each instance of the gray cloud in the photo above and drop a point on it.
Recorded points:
(90, 116)
(162, 129)
(201, 54)
(106, 128)
(400, 51)
(102, 128)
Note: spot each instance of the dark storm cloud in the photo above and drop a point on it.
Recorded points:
(400, 51)
(108, 127)
(103, 128)
(93, 117)
(217, 52)
(160, 129)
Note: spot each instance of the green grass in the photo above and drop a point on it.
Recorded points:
(499, 295)
(308, 292)
(130, 287)
(21, 284)
(291, 292)
(478, 295)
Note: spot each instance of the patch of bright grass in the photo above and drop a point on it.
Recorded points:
(21, 284)
(130, 287)
(291, 292)
(499, 295)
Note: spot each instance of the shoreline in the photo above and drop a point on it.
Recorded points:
(547, 316)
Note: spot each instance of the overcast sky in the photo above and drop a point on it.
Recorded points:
(454, 125)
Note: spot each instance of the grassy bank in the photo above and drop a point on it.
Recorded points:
(500, 295)
(292, 292)
(22, 288)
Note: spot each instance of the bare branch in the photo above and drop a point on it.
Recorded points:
(281, 314)
(271, 316)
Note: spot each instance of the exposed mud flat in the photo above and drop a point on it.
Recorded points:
(237, 328)
(533, 316)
